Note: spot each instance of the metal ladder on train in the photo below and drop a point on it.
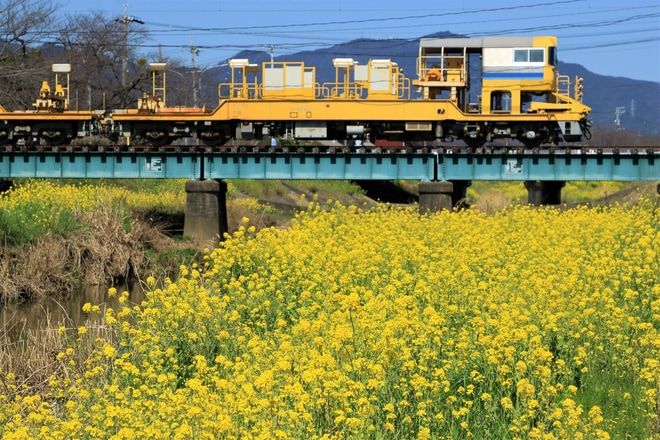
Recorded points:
(563, 85)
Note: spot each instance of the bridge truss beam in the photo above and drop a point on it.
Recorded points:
(452, 165)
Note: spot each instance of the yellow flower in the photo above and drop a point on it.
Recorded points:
(109, 351)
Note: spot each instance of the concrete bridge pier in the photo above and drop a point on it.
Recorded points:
(435, 196)
(540, 192)
(206, 211)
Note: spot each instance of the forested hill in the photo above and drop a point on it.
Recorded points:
(603, 93)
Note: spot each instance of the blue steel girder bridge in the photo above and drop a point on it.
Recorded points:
(444, 173)
(441, 164)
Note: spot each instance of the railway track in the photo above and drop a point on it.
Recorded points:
(342, 150)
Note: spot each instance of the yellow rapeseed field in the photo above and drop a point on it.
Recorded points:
(33, 208)
(525, 324)
(53, 198)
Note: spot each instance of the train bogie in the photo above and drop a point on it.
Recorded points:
(30, 128)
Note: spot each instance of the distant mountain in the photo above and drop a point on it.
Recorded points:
(640, 99)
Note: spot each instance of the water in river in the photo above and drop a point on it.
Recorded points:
(16, 319)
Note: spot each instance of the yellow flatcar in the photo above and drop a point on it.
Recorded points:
(50, 122)
(516, 93)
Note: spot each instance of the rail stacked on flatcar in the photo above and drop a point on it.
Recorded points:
(517, 94)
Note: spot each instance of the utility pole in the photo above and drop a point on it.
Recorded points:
(126, 20)
(271, 48)
(194, 51)
(618, 112)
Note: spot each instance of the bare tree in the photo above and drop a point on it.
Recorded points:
(96, 47)
(610, 136)
(179, 82)
(23, 25)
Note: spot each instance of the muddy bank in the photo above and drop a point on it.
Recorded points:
(109, 250)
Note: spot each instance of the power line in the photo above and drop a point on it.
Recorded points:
(372, 20)
(324, 33)
(248, 30)
(286, 28)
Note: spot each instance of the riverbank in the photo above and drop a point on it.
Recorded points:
(58, 238)
(102, 253)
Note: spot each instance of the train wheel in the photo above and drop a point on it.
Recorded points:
(475, 142)
(53, 137)
(212, 138)
(474, 136)
(532, 139)
(532, 143)
(214, 141)
(157, 138)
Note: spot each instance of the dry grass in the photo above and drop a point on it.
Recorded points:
(274, 212)
(109, 250)
(31, 355)
(34, 270)
(492, 200)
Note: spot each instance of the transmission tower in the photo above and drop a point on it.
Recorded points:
(632, 108)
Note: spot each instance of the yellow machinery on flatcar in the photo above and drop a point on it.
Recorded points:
(519, 96)
(522, 96)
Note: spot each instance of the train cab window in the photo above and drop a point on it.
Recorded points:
(521, 55)
(536, 55)
(528, 55)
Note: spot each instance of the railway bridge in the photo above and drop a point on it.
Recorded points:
(444, 172)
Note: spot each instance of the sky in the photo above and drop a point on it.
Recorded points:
(608, 37)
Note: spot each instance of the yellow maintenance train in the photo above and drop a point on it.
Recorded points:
(472, 89)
